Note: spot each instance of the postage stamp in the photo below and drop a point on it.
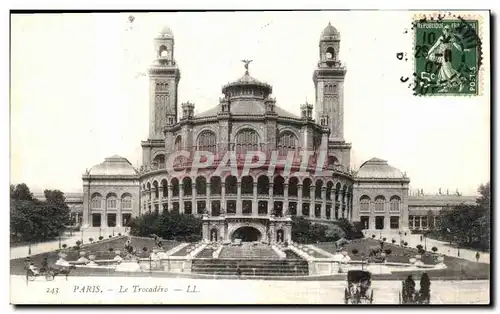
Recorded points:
(447, 55)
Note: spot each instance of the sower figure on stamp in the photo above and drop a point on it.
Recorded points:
(441, 52)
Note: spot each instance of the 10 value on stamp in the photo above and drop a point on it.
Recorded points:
(447, 56)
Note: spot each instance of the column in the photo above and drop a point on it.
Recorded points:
(104, 216)
(169, 197)
(413, 222)
(323, 204)
(119, 213)
(223, 197)
(299, 200)
(420, 218)
(387, 222)
(285, 201)
(194, 203)
(255, 204)
(208, 205)
(270, 204)
(341, 205)
(205, 232)
(181, 198)
(238, 198)
(312, 206)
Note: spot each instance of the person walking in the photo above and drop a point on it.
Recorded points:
(477, 257)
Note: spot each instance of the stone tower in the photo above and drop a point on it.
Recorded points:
(329, 83)
(164, 76)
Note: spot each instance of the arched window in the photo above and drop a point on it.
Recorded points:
(246, 140)
(163, 51)
(156, 189)
(178, 143)
(96, 202)
(207, 141)
(287, 142)
(330, 54)
(395, 201)
(111, 201)
(379, 203)
(159, 159)
(126, 201)
(364, 202)
(332, 162)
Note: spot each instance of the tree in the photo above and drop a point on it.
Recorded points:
(434, 249)
(33, 220)
(21, 192)
(484, 199)
(468, 225)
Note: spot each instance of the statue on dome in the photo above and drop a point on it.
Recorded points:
(246, 62)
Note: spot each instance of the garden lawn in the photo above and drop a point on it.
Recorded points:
(99, 249)
(457, 268)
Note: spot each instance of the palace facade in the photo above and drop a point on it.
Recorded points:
(258, 205)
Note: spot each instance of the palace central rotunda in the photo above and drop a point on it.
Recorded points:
(257, 204)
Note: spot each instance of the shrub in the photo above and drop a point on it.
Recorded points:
(64, 246)
(388, 251)
(405, 244)
(100, 238)
(78, 243)
(373, 236)
(393, 241)
(145, 249)
(355, 251)
(119, 234)
(110, 236)
(419, 247)
(76, 247)
(384, 239)
(434, 249)
(91, 240)
(421, 251)
(110, 249)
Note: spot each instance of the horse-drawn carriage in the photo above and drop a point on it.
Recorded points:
(358, 289)
(32, 272)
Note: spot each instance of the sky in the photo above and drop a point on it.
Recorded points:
(78, 96)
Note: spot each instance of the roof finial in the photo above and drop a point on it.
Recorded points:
(329, 23)
(246, 62)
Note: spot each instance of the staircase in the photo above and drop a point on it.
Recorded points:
(248, 267)
(249, 251)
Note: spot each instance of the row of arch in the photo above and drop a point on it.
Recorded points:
(231, 183)
(245, 140)
(379, 202)
(161, 86)
(159, 159)
(111, 201)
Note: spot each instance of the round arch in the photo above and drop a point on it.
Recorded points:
(260, 228)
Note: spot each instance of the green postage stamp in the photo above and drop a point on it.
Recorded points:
(447, 55)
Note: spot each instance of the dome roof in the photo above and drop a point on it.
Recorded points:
(165, 31)
(247, 80)
(379, 169)
(330, 31)
(113, 166)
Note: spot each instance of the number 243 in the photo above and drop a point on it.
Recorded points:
(52, 290)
